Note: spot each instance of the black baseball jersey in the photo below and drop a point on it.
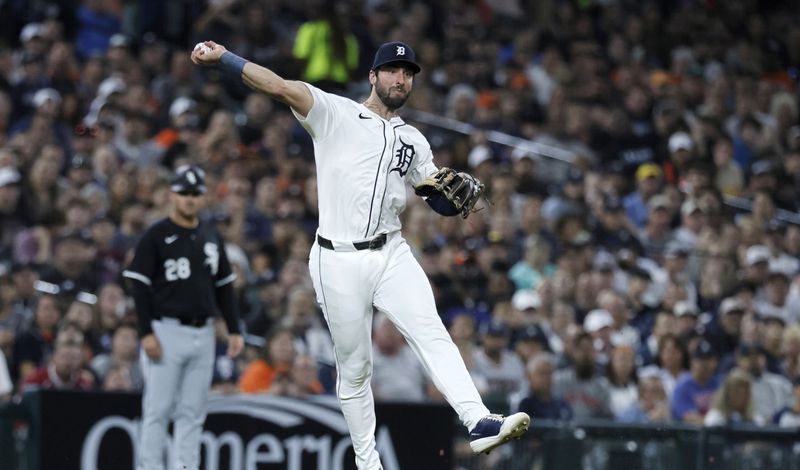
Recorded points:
(183, 268)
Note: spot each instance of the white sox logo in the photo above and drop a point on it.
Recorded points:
(401, 50)
(212, 257)
(404, 155)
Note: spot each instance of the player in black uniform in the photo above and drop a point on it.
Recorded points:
(180, 277)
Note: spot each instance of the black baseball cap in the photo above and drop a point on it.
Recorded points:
(704, 350)
(188, 179)
(395, 51)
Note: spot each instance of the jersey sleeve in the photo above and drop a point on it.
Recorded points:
(143, 266)
(225, 274)
(423, 168)
(223, 286)
(322, 119)
(141, 272)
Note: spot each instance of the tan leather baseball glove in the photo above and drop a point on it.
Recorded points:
(461, 189)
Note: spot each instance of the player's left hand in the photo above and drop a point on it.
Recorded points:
(235, 345)
(461, 189)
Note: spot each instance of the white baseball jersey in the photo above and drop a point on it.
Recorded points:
(362, 171)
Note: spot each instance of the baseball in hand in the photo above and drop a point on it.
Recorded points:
(202, 48)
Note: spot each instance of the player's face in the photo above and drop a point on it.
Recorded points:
(187, 205)
(393, 85)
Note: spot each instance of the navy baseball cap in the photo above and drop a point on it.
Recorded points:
(495, 328)
(534, 333)
(188, 179)
(704, 350)
(395, 51)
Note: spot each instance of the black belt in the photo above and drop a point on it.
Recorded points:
(374, 244)
(195, 322)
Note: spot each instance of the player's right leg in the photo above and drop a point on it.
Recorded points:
(160, 384)
(343, 284)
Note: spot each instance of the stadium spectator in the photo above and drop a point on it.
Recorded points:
(789, 416)
(622, 379)
(725, 330)
(539, 401)
(790, 362)
(303, 320)
(304, 377)
(652, 405)
(687, 317)
(531, 341)
(692, 396)
(770, 392)
(771, 338)
(672, 360)
(733, 402)
(600, 325)
(663, 325)
(586, 391)
(622, 333)
(535, 266)
(656, 233)
(64, 370)
(775, 292)
(502, 369)
(118, 379)
(35, 344)
(397, 374)
(326, 47)
(614, 231)
(693, 219)
(276, 359)
(648, 182)
(18, 312)
(463, 331)
(124, 356)
(227, 370)
(71, 270)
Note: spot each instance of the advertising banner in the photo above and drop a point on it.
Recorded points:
(98, 431)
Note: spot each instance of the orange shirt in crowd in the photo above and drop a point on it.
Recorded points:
(258, 376)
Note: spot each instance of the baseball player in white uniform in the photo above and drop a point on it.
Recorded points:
(365, 155)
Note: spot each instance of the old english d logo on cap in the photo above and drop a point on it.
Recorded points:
(396, 51)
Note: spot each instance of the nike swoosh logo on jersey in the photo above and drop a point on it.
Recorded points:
(361, 116)
(170, 239)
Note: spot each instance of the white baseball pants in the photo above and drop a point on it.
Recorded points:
(176, 386)
(349, 284)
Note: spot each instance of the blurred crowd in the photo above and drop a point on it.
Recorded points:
(653, 277)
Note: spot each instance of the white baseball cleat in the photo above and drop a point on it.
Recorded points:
(495, 430)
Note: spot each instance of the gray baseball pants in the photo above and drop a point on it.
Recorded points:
(176, 387)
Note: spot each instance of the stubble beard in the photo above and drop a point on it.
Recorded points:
(392, 104)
